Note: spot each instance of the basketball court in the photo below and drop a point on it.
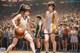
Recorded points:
(41, 52)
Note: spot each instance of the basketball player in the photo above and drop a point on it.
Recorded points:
(23, 16)
(51, 25)
(38, 32)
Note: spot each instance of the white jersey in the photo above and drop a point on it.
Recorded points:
(23, 22)
(48, 24)
(49, 19)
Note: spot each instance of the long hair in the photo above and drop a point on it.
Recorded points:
(22, 8)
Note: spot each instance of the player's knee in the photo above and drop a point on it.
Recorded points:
(30, 40)
(53, 41)
(46, 40)
(13, 45)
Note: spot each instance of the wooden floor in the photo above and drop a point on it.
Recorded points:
(41, 52)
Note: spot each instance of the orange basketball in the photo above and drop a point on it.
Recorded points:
(19, 32)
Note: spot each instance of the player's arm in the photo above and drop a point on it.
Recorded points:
(56, 19)
(45, 19)
(15, 19)
(40, 24)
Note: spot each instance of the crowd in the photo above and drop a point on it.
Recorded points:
(69, 27)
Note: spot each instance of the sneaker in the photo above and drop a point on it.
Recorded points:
(46, 52)
(54, 52)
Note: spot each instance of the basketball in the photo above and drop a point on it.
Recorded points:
(19, 32)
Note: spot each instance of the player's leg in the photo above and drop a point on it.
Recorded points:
(38, 44)
(15, 40)
(46, 38)
(29, 38)
(52, 36)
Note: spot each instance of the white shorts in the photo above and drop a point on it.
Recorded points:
(25, 32)
(48, 31)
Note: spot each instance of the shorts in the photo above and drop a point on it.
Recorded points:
(50, 29)
(58, 39)
(65, 37)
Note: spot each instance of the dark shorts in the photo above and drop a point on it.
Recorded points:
(58, 39)
(64, 37)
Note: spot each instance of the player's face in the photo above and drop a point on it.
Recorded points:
(27, 13)
(50, 8)
(37, 19)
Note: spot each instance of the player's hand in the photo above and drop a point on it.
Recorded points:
(16, 27)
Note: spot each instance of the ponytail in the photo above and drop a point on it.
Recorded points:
(22, 8)
(19, 11)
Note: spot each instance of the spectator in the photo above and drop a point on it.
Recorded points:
(65, 38)
(0, 35)
(10, 35)
(79, 37)
(59, 36)
(74, 39)
(4, 38)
